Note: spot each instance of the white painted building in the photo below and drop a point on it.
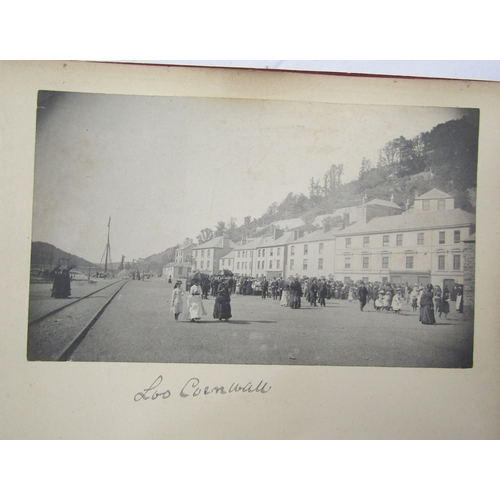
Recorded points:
(422, 245)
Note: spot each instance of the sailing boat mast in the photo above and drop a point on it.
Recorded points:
(108, 250)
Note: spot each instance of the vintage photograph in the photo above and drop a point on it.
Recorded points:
(258, 232)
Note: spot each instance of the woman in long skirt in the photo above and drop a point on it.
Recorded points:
(177, 300)
(445, 305)
(194, 303)
(285, 295)
(222, 306)
(427, 307)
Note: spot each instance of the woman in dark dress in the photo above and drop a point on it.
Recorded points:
(445, 305)
(427, 307)
(222, 306)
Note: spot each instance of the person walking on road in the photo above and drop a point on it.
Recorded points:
(427, 307)
(222, 306)
(194, 303)
(362, 295)
(177, 300)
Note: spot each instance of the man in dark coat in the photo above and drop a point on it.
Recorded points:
(362, 295)
(264, 285)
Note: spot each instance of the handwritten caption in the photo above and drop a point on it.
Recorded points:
(193, 388)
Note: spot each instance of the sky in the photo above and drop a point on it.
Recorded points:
(163, 168)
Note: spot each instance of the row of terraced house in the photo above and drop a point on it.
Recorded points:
(373, 241)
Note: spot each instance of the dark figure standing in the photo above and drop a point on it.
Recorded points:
(222, 306)
(265, 286)
(362, 295)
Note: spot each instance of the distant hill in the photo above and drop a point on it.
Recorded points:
(155, 262)
(44, 256)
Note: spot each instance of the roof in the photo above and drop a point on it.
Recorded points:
(319, 235)
(411, 221)
(217, 242)
(176, 264)
(282, 240)
(251, 245)
(434, 194)
(337, 213)
(230, 255)
(384, 203)
(184, 246)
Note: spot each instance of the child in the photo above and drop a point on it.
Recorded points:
(177, 300)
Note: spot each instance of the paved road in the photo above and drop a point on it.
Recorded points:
(139, 327)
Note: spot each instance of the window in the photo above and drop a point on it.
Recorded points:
(426, 205)
(441, 204)
(263, 252)
(320, 263)
(271, 252)
(385, 262)
(409, 262)
(304, 266)
(222, 262)
(321, 245)
(201, 264)
(270, 264)
(258, 253)
(456, 236)
(456, 262)
(208, 264)
(441, 262)
(292, 250)
(237, 265)
(203, 253)
(348, 242)
(347, 263)
(278, 251)
(385, 240)
(208, 253)
(442, 238)
(366, 241)
(306, 249)
(278, 263)
(291, 264)
(399, 240)
(366, 262)
(420, 238)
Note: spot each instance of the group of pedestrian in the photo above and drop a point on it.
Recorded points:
(61, 288)
(194, 303)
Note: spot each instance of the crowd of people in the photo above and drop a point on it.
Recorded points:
(292, 292)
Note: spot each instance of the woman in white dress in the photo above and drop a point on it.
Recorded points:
(397, 302)
(194, 303)
(177, 300)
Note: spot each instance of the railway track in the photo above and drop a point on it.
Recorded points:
(68, 304)
(55, 335)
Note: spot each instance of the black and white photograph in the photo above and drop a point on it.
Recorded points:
(204, 230)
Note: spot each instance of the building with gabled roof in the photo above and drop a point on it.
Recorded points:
(423, 245)
(343, 217)
(176, 270)
(184, 252)
(206, 256)
(313, 254)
